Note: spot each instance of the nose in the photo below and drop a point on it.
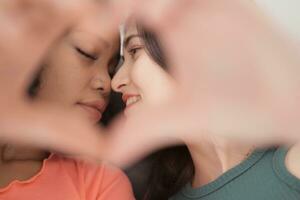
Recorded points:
(101, 82)
(121, 79)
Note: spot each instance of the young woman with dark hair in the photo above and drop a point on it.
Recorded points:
(213, 167)
(74, 76)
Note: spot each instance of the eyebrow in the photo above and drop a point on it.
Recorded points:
(130, 37)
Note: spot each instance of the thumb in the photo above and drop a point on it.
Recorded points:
(148, 130)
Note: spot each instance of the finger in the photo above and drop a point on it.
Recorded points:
(150, 129)
(27, 32)
(52, 128)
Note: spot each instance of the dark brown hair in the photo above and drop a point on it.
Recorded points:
(172, 167)
(33, 87)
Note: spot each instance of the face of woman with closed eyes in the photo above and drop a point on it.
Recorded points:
(75, 73)
(140, 79)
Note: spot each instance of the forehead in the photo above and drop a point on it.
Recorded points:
(130, 29)
(92, 27)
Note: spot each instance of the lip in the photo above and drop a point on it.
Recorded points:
(93, 108)
(127, 96)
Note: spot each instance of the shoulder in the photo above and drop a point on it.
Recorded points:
(292, 160)
(287, 166)
(99, 179)
(108, 181)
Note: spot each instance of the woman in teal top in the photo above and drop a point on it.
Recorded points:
(263, 175)
(211, 169)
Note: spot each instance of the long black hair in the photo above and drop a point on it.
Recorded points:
(172, 167)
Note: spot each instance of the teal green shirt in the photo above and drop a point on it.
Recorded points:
(262, 176)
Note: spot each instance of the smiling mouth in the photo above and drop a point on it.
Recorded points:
(132, 100)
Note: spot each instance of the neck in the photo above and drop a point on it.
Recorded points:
(12, 152)
(214, 156)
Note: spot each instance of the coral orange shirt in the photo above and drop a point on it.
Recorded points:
(67, 179)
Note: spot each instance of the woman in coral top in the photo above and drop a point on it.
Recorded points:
(74, 75)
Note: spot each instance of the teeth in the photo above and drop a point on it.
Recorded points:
(132, 100)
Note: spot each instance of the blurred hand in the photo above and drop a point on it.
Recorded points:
(238, 76)
(27, 30)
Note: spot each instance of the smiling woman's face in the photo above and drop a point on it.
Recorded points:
(75, 73)
(140, 79)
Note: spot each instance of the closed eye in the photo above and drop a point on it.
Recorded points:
(87, 55)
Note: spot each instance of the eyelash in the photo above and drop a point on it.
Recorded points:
(132, 51)
(85, 54)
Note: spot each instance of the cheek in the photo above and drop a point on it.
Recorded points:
(62, 81)
(155, 84)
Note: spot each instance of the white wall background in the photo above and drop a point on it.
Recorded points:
(286, 13)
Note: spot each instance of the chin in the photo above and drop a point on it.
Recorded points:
(132, 110)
